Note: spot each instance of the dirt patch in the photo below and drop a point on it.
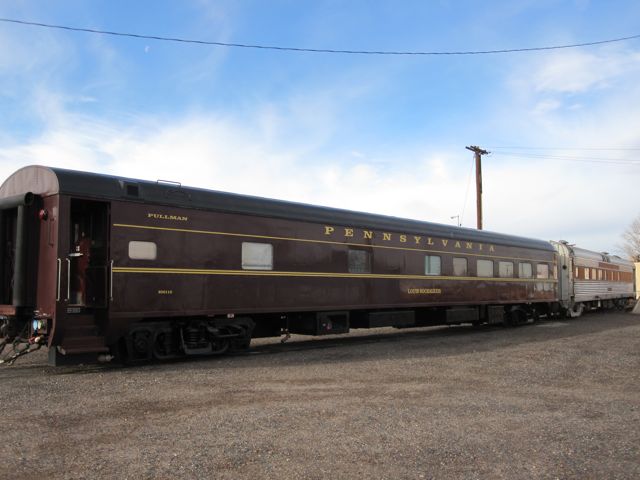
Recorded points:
(551, 400)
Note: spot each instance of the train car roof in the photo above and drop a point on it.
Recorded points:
(588, 254)
(46, 181)
(602, 257)
(583, 253)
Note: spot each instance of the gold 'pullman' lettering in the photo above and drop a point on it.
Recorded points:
(164, 216)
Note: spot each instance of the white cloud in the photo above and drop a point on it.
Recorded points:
(543, 199)
(286, 150)
(578, 71)
(545, 106)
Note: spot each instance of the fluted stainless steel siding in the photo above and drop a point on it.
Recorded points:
(587, 290)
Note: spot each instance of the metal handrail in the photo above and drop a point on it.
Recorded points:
(111, 281)
(68, 279)
(59, 262)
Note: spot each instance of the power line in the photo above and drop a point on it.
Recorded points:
(570, 148)
(315, 50)
(565, 157)
(599, 160)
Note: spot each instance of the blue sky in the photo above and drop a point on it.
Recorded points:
(383, 134)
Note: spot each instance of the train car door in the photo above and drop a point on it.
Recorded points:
(7, 255)
(18, 252)
(565, 272)
(87, 260)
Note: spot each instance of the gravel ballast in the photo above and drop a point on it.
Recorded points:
(557, 399)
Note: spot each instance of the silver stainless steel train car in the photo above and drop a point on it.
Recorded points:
(588, 280)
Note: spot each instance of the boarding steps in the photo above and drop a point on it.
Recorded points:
(82, 336)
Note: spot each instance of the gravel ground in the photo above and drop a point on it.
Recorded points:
(552, 400)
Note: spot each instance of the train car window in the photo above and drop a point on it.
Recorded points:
(143, 250)
(257, 256)
(593, 274)
(525, 270)
(432, 265)
(542, 270)
(485, 268)
(505, 269)
(586, 274)
(599, 274)
(576, 275)
(359, 261)
(460, 267)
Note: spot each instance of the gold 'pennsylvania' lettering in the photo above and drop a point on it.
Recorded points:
(349, 233)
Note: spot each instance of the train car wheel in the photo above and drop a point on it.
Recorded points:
(576, 310)
(515, 317)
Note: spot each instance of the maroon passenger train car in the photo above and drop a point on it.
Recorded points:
(94, 264)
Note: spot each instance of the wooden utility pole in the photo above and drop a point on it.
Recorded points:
(478, 152)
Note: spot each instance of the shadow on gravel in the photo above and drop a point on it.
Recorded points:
(458, 339)
(429, 342)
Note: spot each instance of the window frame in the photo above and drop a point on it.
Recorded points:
(545, 268)
(352, 253)
(486, 262)
(520, 270)
(505, 263)
(246, 256)
(140, 246)
(428, 266)
(466, 266)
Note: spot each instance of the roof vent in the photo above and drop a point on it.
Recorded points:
(132, 190)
